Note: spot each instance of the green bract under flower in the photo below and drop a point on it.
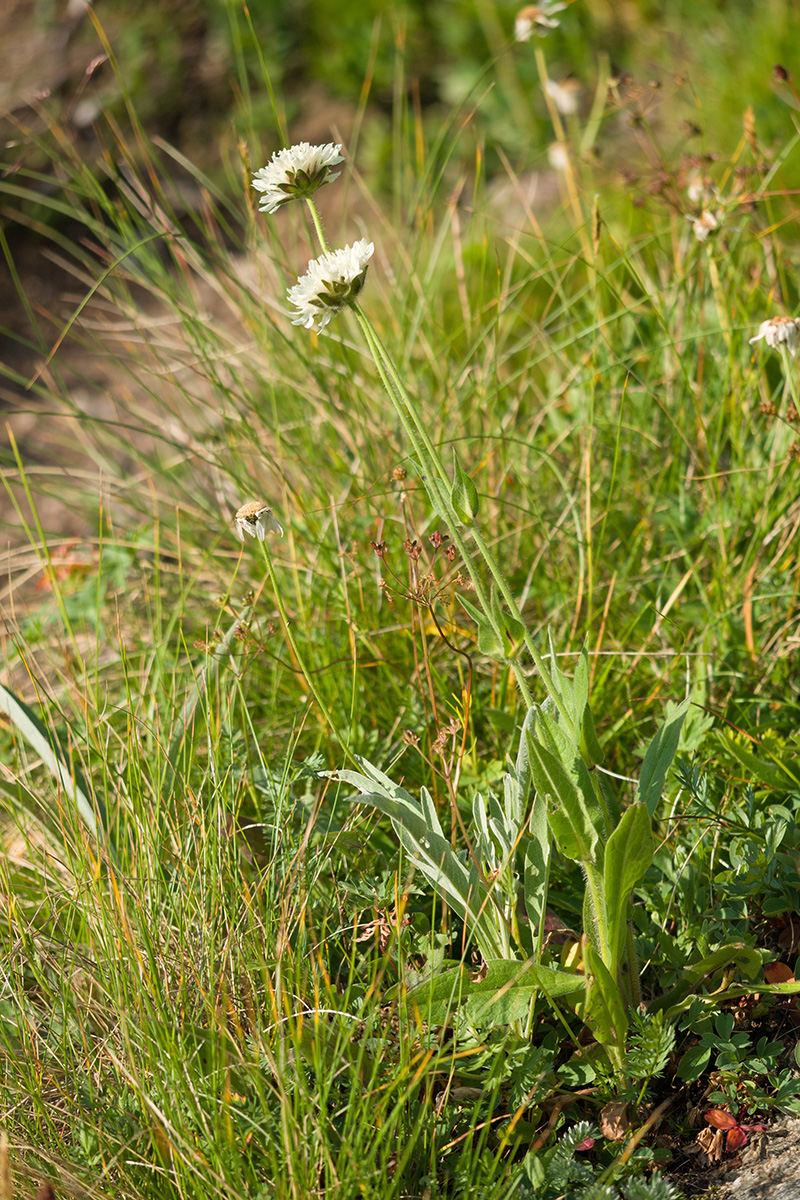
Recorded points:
(332, 281)
(295, 173)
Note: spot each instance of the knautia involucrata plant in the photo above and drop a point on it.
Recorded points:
(555, 793)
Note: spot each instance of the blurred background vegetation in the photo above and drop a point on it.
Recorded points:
(185, 66)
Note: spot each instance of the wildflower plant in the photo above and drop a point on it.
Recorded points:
(559, 752)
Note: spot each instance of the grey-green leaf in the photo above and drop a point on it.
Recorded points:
(569, 816)
(502, 996)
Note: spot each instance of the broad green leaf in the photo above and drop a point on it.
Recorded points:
(580, 687)
(463, 494)
(558, 739)
(734, 992)
(511, 629)
(44, 743)
(591, 749)
(569, 817)
(693, 1063)
(523, 764)
(745, 958)
(628, 854)
(503, 996)
(604, 1012)
(432, 854)
(659, 756)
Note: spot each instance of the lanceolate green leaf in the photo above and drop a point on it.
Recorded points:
(489, 643)
(502, 996)
(604, 1012)
(39, 737)
(432, 853)
(537, 868)
(629, 852)
(659, 756)
(569, 816)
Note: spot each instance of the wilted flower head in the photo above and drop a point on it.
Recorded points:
(536, 18)
(256, 520)
(332, 281)
(295, 173)
(780, 331)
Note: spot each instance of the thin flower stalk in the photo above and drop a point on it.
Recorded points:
(433, 464)
(287, 628)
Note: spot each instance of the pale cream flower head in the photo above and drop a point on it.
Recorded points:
(565, 95)
(536, 19)
(295, 173)
(332, 281)
(256, 520)
(778, 332)
(706, 223)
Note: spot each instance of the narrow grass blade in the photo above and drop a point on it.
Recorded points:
(206, 676)
(40, 738)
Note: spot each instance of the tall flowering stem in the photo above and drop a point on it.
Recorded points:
(439, 487)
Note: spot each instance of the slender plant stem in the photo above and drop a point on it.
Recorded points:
(438, 485)
(312, 687)
(312, 208)
(435, 477)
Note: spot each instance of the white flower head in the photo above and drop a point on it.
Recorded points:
(536, 19)
(565, 95)
(780, 331)
(332, 281)
(295, 173)
(705, 224)
(256, 520)
(558, 156)
(700, 190)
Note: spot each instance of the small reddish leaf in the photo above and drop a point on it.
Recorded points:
(736, 1138)
(778, 972)
(586, 1144)
(721, 1119)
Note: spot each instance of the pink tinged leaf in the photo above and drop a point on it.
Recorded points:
(721, 1119)
(736, 1138)
(586, 1144)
